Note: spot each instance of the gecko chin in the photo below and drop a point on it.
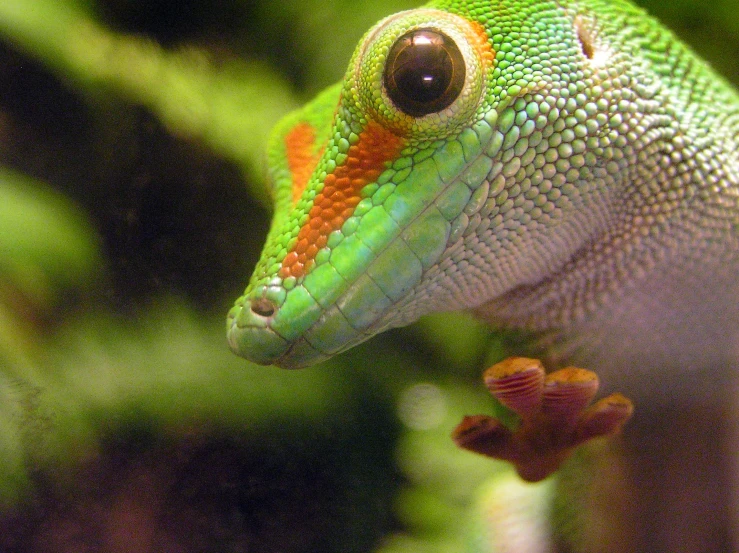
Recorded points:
(264, 346)
(259, 333)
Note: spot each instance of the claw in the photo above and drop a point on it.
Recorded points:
(566, 393)
(517, 383)
(554, 416)
(605, 417)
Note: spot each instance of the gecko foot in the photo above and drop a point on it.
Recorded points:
(554, 411)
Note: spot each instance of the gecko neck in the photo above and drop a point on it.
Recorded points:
(643, 316)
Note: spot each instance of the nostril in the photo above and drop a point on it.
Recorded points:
(263, 307)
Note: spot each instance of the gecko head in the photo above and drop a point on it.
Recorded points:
(385, 186)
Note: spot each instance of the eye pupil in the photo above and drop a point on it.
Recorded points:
(424, 73)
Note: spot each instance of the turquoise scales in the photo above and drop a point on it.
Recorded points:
(575, 173)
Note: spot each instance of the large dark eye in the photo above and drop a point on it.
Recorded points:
(424, 72)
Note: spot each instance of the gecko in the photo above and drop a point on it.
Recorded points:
(567, 168)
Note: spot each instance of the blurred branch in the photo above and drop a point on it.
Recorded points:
(231, 107)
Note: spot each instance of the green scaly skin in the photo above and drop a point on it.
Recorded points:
(584, 185)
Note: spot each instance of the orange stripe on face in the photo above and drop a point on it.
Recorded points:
(479, 39)
(301, 159)
(341, 193)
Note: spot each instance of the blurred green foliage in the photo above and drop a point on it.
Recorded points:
(132, 208)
